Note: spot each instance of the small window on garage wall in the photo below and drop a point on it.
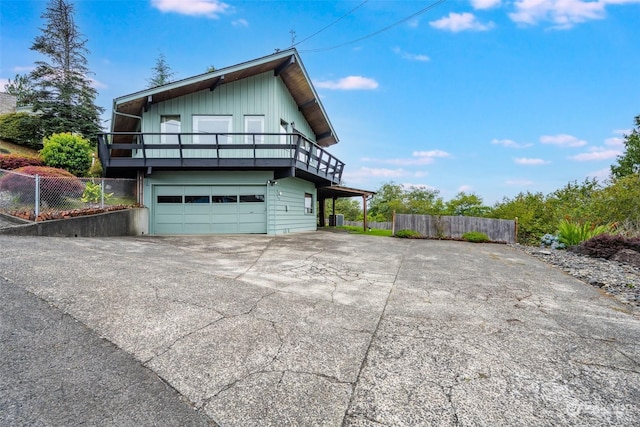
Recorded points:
(308, 203)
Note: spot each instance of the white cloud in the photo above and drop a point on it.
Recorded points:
(431, 154)
(530, 162)
(601, 174)
(456, 22)
(485, 4)
(596, 153)
(510, 143)
(519, 182)
(349, 83)
(364, 173)
(240, 23)
(419, 158)
(23, 69)
(614, 142)
(465, 188)
(411, 56)
(3, 84)
(563, 14)
(562, 140)
(208, 8)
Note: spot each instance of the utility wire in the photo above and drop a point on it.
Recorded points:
(333, 23)
(420, 12)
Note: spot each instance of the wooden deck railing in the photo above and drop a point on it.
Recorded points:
(228, 150)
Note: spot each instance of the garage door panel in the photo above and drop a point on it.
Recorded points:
(165, 190)
(219, 228)
(168, 228)
(197, 209)
(209, 209)
(195, 228)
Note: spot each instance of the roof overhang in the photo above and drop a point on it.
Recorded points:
(337, 191)
(127, 110)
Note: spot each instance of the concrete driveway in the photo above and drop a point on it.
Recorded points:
(335, 329)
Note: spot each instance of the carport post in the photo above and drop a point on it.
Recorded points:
(364, 212)
(333, 210)
(322, 213)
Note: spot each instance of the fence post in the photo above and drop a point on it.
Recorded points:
(393, 223)
(102, 193)
(37, 198)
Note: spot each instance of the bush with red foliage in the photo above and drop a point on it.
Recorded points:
(607, 245)
(55, 184)
(14, 161)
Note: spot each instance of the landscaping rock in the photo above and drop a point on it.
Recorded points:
(618, 276)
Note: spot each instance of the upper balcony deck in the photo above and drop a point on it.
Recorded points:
(287, 154)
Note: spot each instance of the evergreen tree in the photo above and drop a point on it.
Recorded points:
(22, 88)
(63, 92)
(629, 162)
(162, 73)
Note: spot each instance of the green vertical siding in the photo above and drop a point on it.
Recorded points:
(285, 212)
(263, 94)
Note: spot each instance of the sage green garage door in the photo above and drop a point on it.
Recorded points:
(199, 209)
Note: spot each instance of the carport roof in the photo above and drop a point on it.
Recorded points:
(337, 191)
(285, 64)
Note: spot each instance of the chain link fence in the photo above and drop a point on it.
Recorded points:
(38, 197)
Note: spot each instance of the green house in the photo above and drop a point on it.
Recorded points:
(242, 149)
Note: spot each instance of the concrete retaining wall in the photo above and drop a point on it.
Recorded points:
(128, 222)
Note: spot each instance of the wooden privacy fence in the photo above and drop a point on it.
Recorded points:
(371, 224)
(433, 226)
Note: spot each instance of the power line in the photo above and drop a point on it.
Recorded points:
(420, 12)
(333, 23)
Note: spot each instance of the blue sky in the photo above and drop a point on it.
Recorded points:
(486, 96)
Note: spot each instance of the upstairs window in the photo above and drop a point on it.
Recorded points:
(213, 125)
(254, 125)
(169, 125)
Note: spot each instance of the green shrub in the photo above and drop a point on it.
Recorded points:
(475, 237)
(93, 193)
(574, 233)
(15, 161)
(408, 234)
(67, 151)
(22, 129)
(55, 184)
(95, 171)
(535, 216)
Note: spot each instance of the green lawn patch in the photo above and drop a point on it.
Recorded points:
(371, 232)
